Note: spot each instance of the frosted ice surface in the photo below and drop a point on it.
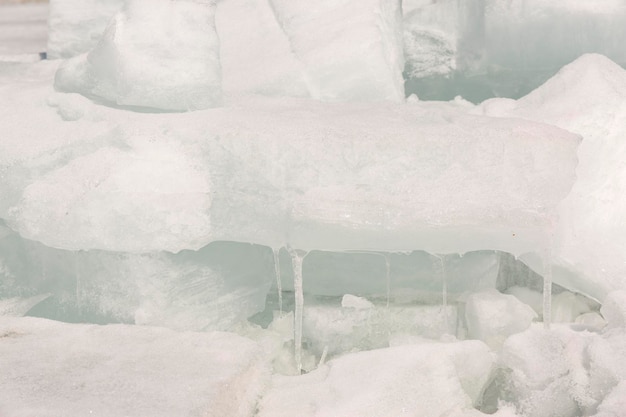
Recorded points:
(255, 53)
(52, 369)
(392, 381)
(159, 55)
(486, 48)
(350, 49)
(313, 175)
(587, 97)
(76, 26)
(492, 316)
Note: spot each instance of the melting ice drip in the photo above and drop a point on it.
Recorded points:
(296, 261)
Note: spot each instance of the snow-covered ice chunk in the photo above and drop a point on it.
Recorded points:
(160, 55)
(354, 302)
(52, 369)
(587, 97)
(613, 404)
(350, 49)
(492, 316)
(76, 26)
(614, 309)
(428, 379)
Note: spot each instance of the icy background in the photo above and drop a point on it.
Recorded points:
(334, 208)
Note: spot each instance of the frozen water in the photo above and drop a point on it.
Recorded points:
(76, 26)
(586, 97)
(397, 277)
(350, 49)
(53, 369)
(159, 55)
(492, 316)
(392, 381)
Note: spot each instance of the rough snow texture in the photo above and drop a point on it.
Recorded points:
(386, 382)
(158, 55)
(255, 53)
(587, 97)
(76, 26)
(208, 289)
(351, 49)
(560, 371)
(492, 316)
(53, 369)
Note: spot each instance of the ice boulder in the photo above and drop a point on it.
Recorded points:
(51, 369)
(76, 26)
(587, 97)
(427, 379)
(160, 55)
(351, 50)
(492, 317)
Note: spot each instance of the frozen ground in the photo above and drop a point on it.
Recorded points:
(273, 254)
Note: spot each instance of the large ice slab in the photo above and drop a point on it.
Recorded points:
(486, 48)
(160, 55)
(427, 379)
(275, 172)
(351, 49)
(76, 26)
(52, 369)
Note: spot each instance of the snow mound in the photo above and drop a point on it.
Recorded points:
(492, 316)
(428, 379)
(52, 369)
(76, 26)
(587, 97)
(158, 55)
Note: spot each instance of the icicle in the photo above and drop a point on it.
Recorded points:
(296, 261)
(444, 292)
(278, 280)
(388, 277)
(547, 290)
(323, 357)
